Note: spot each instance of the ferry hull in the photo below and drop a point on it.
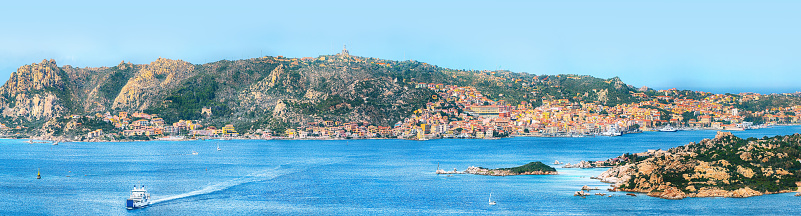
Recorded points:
(133, 204)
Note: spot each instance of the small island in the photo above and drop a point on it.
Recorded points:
(533, 168)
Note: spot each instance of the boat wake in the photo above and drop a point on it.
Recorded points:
(263, 175)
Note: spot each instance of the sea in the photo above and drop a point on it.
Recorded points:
(345, 177)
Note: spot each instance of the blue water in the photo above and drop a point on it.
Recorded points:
(357, 177)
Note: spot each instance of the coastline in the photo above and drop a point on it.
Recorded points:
(691, 170)
(671, 193)
(709, 193)
(62, 139)
(503, 172)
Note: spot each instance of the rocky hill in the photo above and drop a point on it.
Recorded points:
(726, 166)
(268, 92)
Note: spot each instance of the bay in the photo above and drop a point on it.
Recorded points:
(343, 177)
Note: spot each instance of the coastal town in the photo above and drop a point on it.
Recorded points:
(348, 108)
(564, 105)
(464, 112)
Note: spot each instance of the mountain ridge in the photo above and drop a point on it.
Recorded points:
(274, 92)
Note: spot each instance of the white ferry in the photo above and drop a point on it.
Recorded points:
(612, 132)
(139, 198)
(668, 128)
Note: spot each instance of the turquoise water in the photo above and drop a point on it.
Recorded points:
(357, 177)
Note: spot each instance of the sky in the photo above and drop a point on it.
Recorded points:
(717, 46)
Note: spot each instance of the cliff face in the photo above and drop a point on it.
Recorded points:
(726, 166)
(33, 77)
(151, 83)
(32, 92)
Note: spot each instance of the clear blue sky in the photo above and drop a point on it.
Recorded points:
(719, 46)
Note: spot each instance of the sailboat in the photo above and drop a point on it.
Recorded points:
(218, 147)
(38, 174)
(490, 199)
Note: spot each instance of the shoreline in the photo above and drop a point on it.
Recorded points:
(533, 168)
(728, 194)
(652, 175)
(376, 138)
(672, 195)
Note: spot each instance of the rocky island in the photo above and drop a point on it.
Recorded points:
(533, 168)
(726, 166)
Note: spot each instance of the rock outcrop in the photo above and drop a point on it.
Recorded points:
(581, 164)
(151, 83)
(720, 167)
(32, 92)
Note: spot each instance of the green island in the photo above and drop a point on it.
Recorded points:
(533, 168)
(726, 166)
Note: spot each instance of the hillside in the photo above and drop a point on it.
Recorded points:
(726, 166)
(268, 92)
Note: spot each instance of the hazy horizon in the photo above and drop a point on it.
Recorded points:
(710, 46)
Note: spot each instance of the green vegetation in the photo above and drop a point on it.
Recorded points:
(769, 164)
(115, 81)
(187, 101)
(663, 114)
(80, 126)
(531, 167)
(766, 102)
(732, 148)
(64, 94)
(346, 89)
(333, 105)
(686, 116)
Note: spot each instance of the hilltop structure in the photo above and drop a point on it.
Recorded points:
(345, 96)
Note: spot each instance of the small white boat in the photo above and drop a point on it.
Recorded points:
(490, 199)
(139, 198)
(194, 153)
(218, 147)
